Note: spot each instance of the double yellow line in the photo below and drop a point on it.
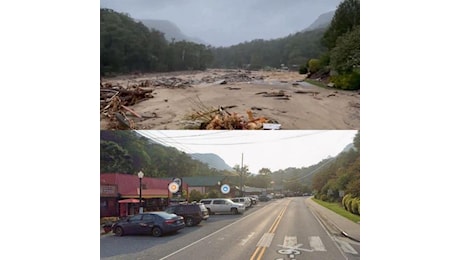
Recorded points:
(260, 250)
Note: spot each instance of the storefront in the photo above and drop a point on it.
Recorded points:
(124, 190)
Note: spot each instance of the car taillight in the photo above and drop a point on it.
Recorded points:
(170, 221)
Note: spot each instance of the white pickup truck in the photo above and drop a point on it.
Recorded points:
(223, 206)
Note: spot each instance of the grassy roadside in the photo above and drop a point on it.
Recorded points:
(316, 83)
(338, 209)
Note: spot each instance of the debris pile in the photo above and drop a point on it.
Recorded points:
(115, 99)
(221, 119)
(231, 77)
(276, 94)
(171, 82)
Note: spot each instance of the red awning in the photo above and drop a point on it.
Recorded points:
(129, 201)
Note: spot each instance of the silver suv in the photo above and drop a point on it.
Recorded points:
(246, 201)
(222, 206)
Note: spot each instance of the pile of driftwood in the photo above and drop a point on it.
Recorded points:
(276, 94)
(221, 119)
(239, 76)
(115, 99)
(171, 82)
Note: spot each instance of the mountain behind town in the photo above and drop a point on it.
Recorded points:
(212, 160)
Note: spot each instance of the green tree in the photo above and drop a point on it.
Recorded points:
(314, 65)
(114, 159)
(346, 17)
(345, 56)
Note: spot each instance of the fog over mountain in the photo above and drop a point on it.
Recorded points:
(225, 23)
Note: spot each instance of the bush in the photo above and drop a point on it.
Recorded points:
(348, 81)
(345, 200)
(314, 65)
(195, 196)
(323, 197)
(213, 194)
(303, 69)
(348, 204)
(355, 206)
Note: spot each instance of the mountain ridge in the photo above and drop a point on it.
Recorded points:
(170, 30)
(213, 160)
(322, 21)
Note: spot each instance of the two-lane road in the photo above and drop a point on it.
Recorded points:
(280, 229)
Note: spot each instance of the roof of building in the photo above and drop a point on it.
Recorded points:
(128, 185)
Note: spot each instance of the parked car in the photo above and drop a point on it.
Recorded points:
(193, 213)
(223, 206)
(155, 223)
(246, 201)
(264, 198)
(254, 199)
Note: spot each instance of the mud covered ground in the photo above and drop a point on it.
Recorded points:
(177, 95)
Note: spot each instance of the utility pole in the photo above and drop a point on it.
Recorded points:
(241, 176)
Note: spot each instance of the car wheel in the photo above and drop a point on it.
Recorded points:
(189, 221)
(234, 211)
(118, 231)
(156, 231)
(209, 211)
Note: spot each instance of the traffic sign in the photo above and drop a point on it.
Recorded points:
(225, 189)
(173, 187)
(178, 181)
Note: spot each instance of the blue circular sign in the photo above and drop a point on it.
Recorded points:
(225, 189)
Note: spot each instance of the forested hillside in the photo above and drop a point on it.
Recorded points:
(129, 46)
(129, 152)
(340, 181)
(341, 61)
(292, 50)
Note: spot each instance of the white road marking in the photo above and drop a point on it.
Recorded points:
(316, 244)
(243, 241)
(346, 247)
(289, 241)
(266, 240)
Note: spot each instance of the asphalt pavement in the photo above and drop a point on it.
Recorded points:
(335, 223)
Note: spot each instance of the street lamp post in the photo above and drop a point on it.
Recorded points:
(140, 174)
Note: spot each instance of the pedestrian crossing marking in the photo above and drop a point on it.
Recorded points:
(347, 248)
(316, 244)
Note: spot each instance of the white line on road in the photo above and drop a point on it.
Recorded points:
(243, 241)
(346, 247)
(203, 238)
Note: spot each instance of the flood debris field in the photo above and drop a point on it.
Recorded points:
(224, 99)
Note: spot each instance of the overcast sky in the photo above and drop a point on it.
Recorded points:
(276, 150)
(225, 23)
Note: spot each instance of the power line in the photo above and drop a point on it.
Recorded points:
(230, 135)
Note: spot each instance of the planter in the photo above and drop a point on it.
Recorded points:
(107, 228)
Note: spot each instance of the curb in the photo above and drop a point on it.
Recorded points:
(326, 221)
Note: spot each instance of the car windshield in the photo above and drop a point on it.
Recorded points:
(165, 215)
(169, 210)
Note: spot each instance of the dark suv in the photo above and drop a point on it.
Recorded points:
(193, 213)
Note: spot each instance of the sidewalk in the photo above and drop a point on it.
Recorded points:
(334, 222)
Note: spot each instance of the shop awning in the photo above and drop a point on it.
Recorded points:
(129, 201)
